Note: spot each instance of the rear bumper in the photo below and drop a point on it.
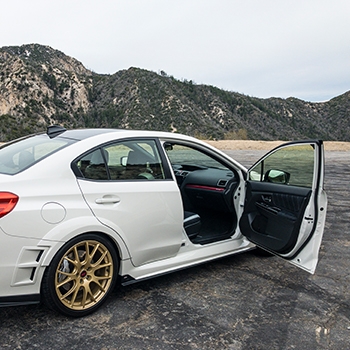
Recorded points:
(18, 300)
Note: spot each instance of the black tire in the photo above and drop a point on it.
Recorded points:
(76, 283)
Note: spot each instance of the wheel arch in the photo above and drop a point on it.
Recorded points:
(61, 234)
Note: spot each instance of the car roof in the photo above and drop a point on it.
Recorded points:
(81, 134)
(84, 134)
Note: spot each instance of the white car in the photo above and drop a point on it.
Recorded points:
(81, 209)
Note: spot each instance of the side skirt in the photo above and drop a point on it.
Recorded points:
(19, 300)
(127, 279)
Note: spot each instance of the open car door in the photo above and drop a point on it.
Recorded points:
(285, 203)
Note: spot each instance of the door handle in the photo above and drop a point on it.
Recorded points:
(266, 198)
(107, 200)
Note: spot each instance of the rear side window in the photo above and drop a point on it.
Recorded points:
(123, 160)
(19, 155)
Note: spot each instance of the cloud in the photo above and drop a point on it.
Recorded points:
(260, 48)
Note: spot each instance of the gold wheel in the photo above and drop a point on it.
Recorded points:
(84, 275)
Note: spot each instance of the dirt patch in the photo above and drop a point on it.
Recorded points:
(268, 145)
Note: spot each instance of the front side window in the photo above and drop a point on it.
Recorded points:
(124, 160)
(191, 158)
(21, 154)
(292, 165)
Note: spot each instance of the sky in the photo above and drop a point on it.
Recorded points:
(260, 48)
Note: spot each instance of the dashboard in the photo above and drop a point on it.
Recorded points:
(204, 187)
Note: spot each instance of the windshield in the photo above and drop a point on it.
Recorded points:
(19, 155)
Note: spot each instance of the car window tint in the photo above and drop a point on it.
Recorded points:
(21, 154)
(93, 165)
(134, 160)
(128, 160)
(291, 165)
(184, 155)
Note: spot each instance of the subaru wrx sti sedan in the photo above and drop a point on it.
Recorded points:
(83, 209)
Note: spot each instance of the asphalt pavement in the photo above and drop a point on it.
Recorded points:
(242, 302)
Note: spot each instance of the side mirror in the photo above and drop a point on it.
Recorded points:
(168, 146)
(277, 176)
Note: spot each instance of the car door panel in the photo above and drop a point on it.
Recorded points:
(285, 204)
(147, 215)
(273, 214)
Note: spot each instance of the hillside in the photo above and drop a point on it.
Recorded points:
(41, 86)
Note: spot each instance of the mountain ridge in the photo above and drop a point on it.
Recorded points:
(40, 86)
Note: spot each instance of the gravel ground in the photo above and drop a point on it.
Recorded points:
(242, 302)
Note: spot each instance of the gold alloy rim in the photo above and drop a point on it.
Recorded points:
(84, 275)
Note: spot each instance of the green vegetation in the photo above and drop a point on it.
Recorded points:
(50, 87)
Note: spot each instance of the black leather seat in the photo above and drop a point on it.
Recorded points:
(192, 224)
(136, 166)
(97, 168)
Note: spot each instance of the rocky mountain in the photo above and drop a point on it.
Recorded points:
(40, 86)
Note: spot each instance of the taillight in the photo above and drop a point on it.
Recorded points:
(7, 202)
